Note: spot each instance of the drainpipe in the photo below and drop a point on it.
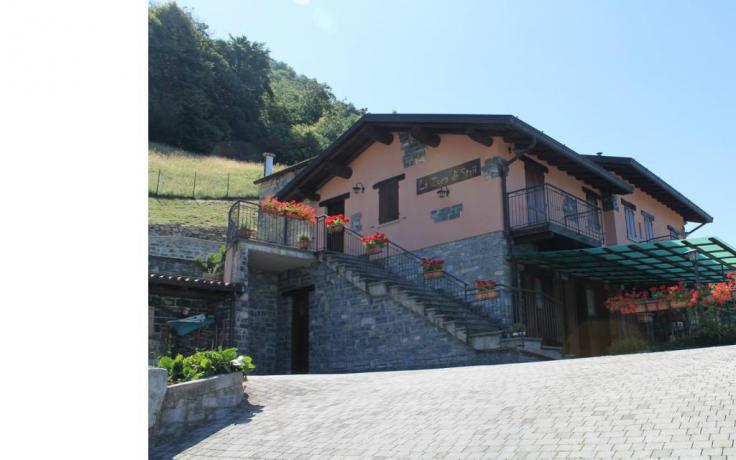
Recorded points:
(518, 153)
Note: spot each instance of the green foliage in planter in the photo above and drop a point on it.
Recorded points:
(215, 262)
(205, 364)
(517, 327)
(709, 331)
(627, 346)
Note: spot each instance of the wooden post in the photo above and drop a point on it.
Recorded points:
(194, 187)
(227, 189)
(158, 181)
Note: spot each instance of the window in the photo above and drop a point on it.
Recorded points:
(648, 226)
(629, 212)
(388, 199)
(674, 233)
(592, 211)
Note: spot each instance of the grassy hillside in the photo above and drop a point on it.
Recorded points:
(178, 167)
(196, 213)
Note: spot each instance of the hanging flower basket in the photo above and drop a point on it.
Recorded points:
(373, 250)
(432, 268)
(483, 295)
(336, 223)
(485, 289)
(374, 244)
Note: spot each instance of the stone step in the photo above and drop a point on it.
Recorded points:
(448, 313)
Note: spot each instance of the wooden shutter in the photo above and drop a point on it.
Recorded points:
(388, 201)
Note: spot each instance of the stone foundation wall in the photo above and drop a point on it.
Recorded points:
(202, 233)
(261, 319)
(350, 332)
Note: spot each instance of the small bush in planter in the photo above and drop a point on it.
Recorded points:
(517, 330)
(205, 364)
(214, 265)
(304, 241)
(627, 346)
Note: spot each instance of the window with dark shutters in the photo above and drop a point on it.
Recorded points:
(388, 201)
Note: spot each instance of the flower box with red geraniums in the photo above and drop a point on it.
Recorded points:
(432, 268)
(336, 223)
(485, 289)
(293, 209)
(373, 244)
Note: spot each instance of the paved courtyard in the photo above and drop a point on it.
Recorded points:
(669, 405)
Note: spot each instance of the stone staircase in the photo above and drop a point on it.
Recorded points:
(449, 314)
(452, 315)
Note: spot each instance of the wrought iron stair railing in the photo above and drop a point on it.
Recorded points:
(540, 314)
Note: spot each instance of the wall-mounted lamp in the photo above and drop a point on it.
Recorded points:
(443, 192)
(358, 188)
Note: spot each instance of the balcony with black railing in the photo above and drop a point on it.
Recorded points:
(546, 211)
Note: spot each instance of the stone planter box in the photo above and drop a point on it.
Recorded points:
(189, 404)
(374, 250)
(433, 274)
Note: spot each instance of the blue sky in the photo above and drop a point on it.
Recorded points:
(655, 80)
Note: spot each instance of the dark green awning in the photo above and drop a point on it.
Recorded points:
(642, 263)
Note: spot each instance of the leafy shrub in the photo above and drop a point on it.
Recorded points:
(215, 262)
(205, 364)
(709, 331)
(627, 346)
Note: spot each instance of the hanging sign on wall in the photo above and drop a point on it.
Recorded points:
(448, 176)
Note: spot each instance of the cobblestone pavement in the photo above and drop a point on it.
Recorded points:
(678, 404)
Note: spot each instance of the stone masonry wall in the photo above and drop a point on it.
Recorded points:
(203, 233)
(350, 331)
(479, 257)
(262, 320)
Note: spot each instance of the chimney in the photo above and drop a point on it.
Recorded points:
(268, 164)
(600, 154)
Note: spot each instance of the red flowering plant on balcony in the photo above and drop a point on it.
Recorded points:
(293, 209)
(336, 223)
(485, 289)
(373, 243)
(271, 206)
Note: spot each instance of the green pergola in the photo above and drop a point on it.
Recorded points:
(642, 263)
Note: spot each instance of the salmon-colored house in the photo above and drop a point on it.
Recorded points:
(489, 195)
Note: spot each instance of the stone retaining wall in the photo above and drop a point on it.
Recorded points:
(203, 233)
(189, 404)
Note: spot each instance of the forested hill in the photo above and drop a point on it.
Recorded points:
(228, 97)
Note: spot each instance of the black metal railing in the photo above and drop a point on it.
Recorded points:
(247, 221)
(547, 204)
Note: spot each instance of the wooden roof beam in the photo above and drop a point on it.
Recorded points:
(483, 138)
(384, 136)
(426, 137)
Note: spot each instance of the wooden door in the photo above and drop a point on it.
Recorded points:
(300, 332)
(335, 240)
